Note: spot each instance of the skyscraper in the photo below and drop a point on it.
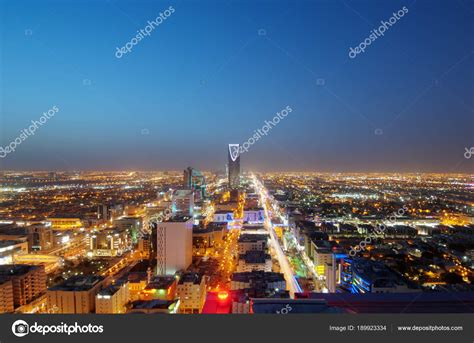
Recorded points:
(234, 165)
(194, 180)
(187, 177)
(183, 202)
(174, 245)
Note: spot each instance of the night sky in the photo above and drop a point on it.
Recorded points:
(206, 77)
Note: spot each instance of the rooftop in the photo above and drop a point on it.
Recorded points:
(10, 242)
(177, 219)
(151, 304)
(372, 270)
(182, 193)
(78, 283)
(110, 290)
(252, 238)
(195, 278)
(254, 257)
(161, 282)
(253, 209)
(9, 270)
(13, 230)
(243, 295)
(256, 276)
(137, 277)
(248, 227)
(209, 228)
(223, 211)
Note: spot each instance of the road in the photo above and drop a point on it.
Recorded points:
(319, 286)
(291, 282)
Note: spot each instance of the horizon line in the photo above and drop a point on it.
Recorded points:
(245, 171)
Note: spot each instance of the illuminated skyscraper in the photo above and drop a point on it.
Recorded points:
(234, 165)
(183, 202)
(194, 180)
(174, 245)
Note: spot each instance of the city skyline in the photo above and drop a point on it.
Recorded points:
(196, 83)
(193, 242)
(301, 163)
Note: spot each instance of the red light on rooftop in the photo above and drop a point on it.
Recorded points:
(223, 295)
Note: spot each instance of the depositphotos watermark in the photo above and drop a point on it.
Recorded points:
(166, 214)
(376, 33)
(285, 310)
(263, 131)
(30, 131)
(20, 328)
(147, 227)
(378, 232)
(153, 24)
(468, 152)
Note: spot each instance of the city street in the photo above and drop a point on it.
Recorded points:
(291, 282)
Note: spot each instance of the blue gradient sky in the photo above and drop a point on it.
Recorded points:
(205, 78)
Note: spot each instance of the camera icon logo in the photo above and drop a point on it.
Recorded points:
(20, 328)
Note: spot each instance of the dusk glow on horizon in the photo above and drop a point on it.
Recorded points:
(384, 88)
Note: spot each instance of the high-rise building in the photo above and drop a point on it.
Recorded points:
(107, 212)
(174, 245)
(6, 295)
(194, 180)
(28, 282)
(183, 202)
(322, 257)
(187, 177)
(104, 212)
(234, 165)
(331, 276)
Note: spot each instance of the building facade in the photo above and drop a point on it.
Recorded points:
(6, 296)
(183, 202)
(322, 257)
(28, 282)
(65, 223)
(112, 299)
(109, 242)
(192, 293)
(76, 295)
(254, 261)
(252, 242)
(234, 165)
(174, 245)
(258, 279)
(223, 216)
(40, 238)
(254, 215)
